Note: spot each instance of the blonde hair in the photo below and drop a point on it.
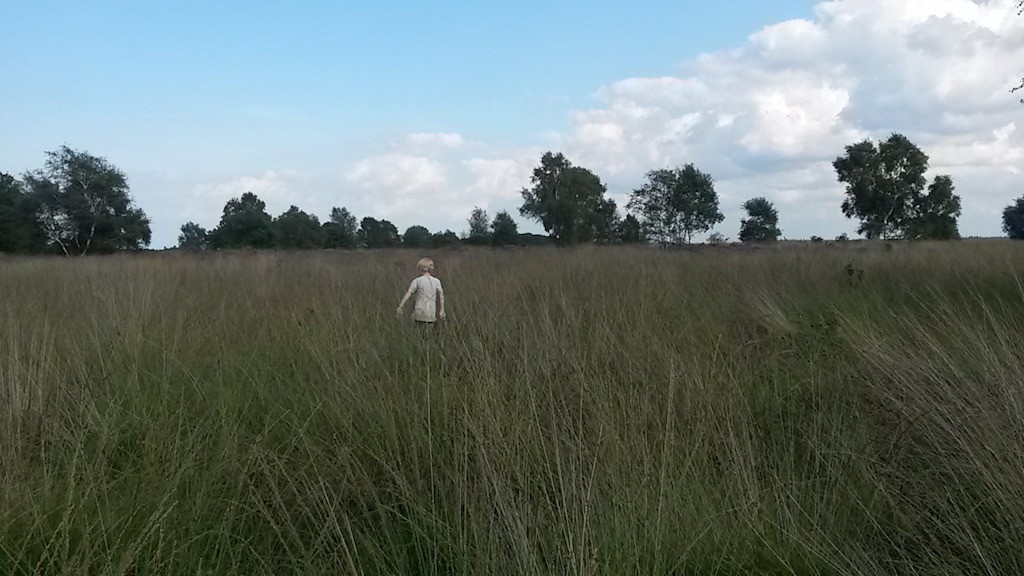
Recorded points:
(425, 265)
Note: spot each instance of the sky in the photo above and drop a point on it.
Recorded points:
(419, 111)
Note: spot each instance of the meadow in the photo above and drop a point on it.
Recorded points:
(837, 409)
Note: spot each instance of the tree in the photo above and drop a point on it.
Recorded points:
(297, 230)
(565, 199)
(629, 230)
(717, 239)
(605, 222)
(417, 237)
(676, 203)
(762, 224)
(84, 204)
(1013, 219)
(193, 237)
(935, 213)
(378, 233)
(883, 184)
(504, 230)
(19, 228)
(479, 232)
(444, 239)
(244, 224)
(342, 230)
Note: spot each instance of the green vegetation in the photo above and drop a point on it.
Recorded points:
(809, 409)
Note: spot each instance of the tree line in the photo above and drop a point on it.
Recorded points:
(79, 204)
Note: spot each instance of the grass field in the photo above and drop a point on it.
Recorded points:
(810, 409)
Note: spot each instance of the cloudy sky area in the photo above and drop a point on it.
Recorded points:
(418, 113)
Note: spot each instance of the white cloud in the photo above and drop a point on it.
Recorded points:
(768, 117)
(442, 139)
(278, 189)
(399, 184)
(765, 118)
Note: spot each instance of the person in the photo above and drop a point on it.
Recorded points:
(429, 303)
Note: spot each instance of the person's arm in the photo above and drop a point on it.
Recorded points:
(440, 301)
(408, 294)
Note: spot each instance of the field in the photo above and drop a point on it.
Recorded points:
(843, 409)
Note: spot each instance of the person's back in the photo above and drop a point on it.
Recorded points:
(426, 289)
(429, 303)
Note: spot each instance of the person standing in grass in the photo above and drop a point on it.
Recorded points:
(428, 305)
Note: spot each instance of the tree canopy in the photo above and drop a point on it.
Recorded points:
(83, 205)
(885, 190)
(479, 227)
(193, 237)
(676, 203)
(19, 228)
(761, 223)
(378, 233)
(244, 224)
(504, 230)
(567, 200)
(1013, 219)
(416, 237)
(341, 231)
(297, 230)
(629, 230)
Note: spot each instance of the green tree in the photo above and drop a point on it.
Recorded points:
(416, 237)
(85, 205)
(605, 222)
(19, 228)
(565, 199)
(1013, 219)
(479, 232)
(504, 230)
(444, 239)
(244, 224)
(629, 230)
(762, 222)
(676, 203)
(342, 230)
(193, 237)
(936, 213)
(297, 230)
(883, 184)
(378, 233)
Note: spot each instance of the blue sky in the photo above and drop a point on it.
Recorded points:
(311, 100)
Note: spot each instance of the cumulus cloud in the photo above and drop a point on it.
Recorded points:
(764, 118)
(767, 118)
(440, 139)
(278, 189)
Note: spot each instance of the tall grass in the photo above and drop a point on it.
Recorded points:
(615, 411)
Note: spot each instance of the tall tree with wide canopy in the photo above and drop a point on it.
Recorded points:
(504, 230)
(342, 230)
(297, 230)
(676, 203)
(565, 199)
(244, 224)
(378, 233)
(936, 212)
(84, 205)
(885, 190)
(761, 223)
(193, 237)
(416, 237)
(882, 184)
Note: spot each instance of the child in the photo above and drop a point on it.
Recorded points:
(429, 295)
